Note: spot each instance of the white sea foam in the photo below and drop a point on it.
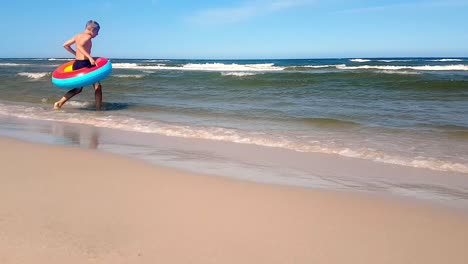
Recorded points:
(322, 66)
(124, 65)
(219, 67)
(458, 67)
(59, 59)
(221, 134)
(128, 75)
(157, 60)
(425, 163)
(239, 74)
(392, 60)
(33, 75)
(79, 104)
(360, 60)
(9, 64)
(232, 67)
(399, 72)
(447, 60)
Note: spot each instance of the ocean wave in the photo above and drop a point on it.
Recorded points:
(219, 67)
(399, 72)
(360, 60)
(157, 60)
(458, 67)
(447, 60)
(309, 67)
(393, 60)
(391, 69)
(34, 75)
(126, 65)
(59, 59)
(270, 67)
(225, 134)
(238, 74)
(135, 76)
(423, 163)
(9, 64)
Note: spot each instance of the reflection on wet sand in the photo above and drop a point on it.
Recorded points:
(85, 137)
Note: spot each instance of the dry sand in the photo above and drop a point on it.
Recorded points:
(69, 205)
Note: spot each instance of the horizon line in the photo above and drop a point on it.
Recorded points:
(305, 58)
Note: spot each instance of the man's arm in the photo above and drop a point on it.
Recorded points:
(80, 47)
(67, 45)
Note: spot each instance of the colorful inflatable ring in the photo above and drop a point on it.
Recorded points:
(65, 77)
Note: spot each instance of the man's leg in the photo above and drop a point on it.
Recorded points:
(67, 97)
(98, 95)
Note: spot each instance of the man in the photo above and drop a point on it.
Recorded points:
(83, 59)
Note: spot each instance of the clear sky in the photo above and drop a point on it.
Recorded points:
(236, 29)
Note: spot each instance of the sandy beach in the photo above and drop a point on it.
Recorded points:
(234, 132)
(69, 205)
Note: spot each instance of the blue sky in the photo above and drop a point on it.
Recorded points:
(236, 29)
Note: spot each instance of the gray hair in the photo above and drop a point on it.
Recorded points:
(92, 25)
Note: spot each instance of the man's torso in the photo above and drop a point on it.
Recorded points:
(87, 45)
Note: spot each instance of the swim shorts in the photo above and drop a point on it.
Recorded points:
(78, 64)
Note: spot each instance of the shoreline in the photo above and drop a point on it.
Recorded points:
(105, 208)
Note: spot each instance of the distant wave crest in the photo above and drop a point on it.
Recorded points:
(393, 60)
(33, 75)
(447, 60)
(399, 72)
(360, 60)
(13, 64)
(271, 67)
(59, 59)
(238, 74)
(219, 67)
(136, 76)
(458, 67)
(311, 67)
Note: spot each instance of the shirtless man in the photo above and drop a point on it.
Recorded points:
(83, 58)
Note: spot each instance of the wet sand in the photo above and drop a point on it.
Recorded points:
(69, 205)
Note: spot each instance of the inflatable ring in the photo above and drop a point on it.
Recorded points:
(65, 77)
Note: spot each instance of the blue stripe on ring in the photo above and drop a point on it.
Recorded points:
(85, 79)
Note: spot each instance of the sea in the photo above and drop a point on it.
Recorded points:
(410, 112)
